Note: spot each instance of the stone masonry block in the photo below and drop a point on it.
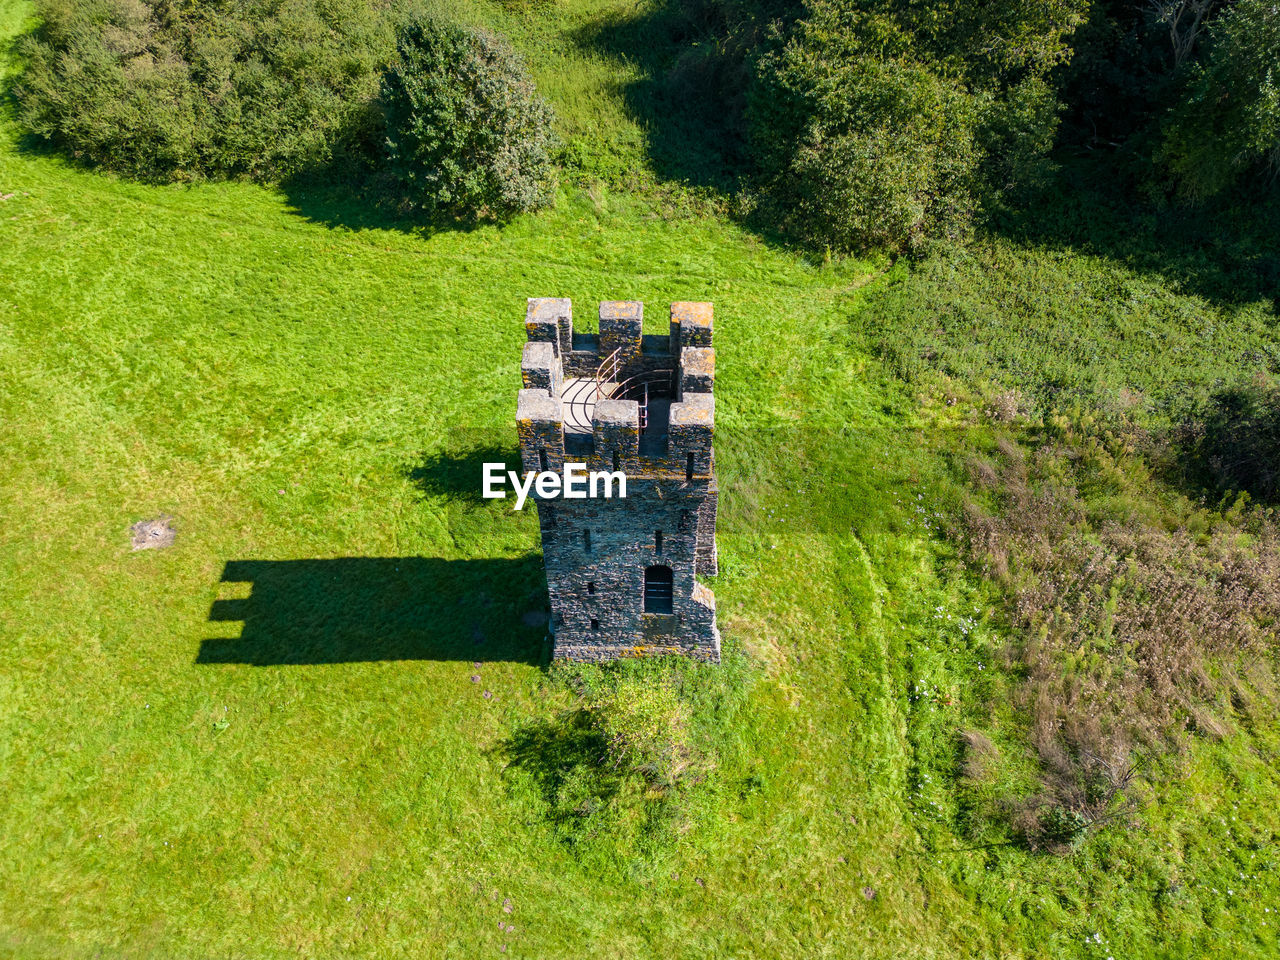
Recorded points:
(550, 320)
(621, 326)
(691, 325)
(540, 368)
(540, 427)
(697, 370)
(691, 426)
(616, 435)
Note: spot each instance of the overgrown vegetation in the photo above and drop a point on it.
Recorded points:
(164, 90)
(467, 134)
(318, 722)
(1136, 615)
(1097, 449)
(276, 88)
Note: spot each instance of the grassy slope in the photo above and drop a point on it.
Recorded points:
(286, 389)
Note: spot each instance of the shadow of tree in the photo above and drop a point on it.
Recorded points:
(357, 197)
(688, 100)
(351, 609)
(565, 758)
(1226, 251)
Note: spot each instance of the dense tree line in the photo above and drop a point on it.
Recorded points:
(859, 123)
(882, 123)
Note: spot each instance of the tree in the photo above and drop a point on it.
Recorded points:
(467, 134)
(1227, 125)
(1185, 19)
(881, 124)
(180, 89)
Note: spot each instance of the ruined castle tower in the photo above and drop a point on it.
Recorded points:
(621, 573)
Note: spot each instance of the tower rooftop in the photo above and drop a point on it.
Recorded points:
(668, 376)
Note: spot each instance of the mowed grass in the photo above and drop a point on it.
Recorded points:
(267, 739)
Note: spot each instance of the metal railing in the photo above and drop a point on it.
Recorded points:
(652, 384)
(641, 388)
(607, 370)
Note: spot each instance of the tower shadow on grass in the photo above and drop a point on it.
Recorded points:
(360, 609)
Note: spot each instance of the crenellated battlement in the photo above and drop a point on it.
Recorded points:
(620, 399)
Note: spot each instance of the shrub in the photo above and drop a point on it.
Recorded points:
(860, 149)
(625, 770)
(164, 90)
(884, 160)
(645, 726)
(467, 134)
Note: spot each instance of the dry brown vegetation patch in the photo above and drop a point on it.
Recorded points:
(1133, 608)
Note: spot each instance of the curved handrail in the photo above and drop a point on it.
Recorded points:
(579, 401)
(647, 379)
(607, 370)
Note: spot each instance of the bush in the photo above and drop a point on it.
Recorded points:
(467, 134)
(164, 90)
(883, 153)
(645, 727)
(625, 770)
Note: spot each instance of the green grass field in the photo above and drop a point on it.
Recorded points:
(268, 740)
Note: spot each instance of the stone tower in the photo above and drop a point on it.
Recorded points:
(621, 573)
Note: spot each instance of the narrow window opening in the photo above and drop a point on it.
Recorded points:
(595, 624)
(542, 459)
(658, 590)
(586, 540)
(617, 462)
(657, 542)
(688, 468)
(591, 587)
